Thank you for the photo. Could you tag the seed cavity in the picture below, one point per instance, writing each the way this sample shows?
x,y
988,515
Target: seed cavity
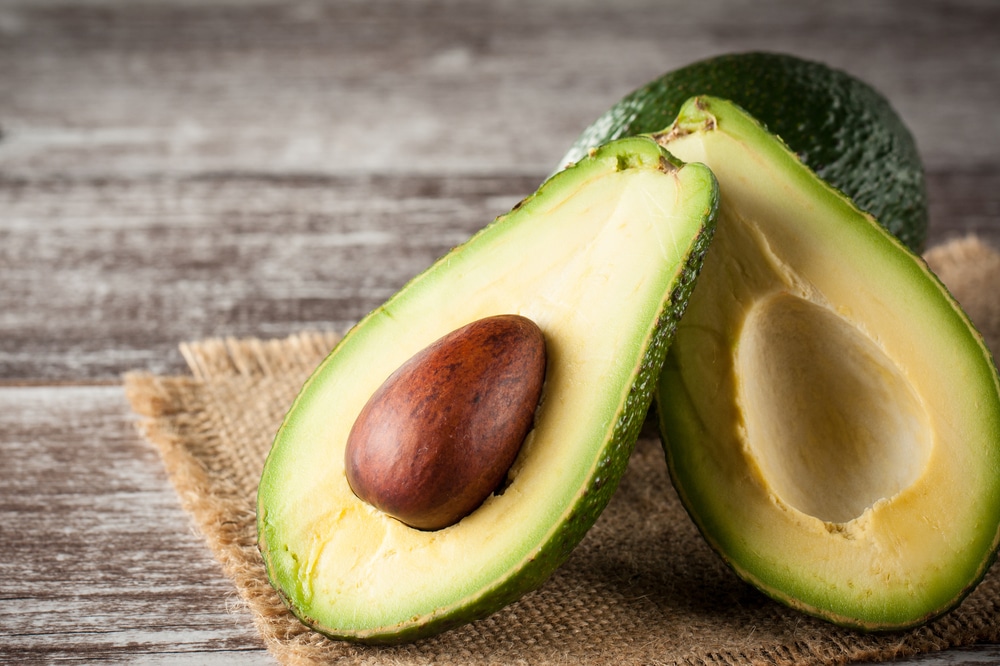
x,y
831,421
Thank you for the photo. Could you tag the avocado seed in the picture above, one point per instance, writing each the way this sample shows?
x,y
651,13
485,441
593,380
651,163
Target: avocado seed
x,y
439,436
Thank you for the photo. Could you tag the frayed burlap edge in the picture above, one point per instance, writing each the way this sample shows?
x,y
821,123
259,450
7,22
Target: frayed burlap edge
x,y
181,421
186,419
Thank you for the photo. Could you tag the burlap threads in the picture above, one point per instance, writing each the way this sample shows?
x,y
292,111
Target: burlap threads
x,y
642,588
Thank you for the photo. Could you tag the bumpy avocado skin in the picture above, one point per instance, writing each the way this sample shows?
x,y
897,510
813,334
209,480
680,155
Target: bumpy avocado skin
x,y
839,126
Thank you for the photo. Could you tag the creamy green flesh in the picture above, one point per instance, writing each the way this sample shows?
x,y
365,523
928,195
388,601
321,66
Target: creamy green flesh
x,y
593,259
831,419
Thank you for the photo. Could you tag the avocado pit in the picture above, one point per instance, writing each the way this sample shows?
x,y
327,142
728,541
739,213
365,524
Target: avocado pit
x,y
440,434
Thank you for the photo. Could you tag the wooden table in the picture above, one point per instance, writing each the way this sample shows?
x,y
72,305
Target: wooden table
x,y
177,170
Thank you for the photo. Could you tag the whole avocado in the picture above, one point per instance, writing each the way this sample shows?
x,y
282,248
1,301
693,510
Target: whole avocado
x,y
839,126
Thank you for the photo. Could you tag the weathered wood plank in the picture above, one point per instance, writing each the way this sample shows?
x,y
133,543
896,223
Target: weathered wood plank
x,y
106,265
443,86
97,559
102,276
979,655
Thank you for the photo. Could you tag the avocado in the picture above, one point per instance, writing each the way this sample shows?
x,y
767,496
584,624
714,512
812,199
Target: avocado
x,y
841,127
602,259
831,418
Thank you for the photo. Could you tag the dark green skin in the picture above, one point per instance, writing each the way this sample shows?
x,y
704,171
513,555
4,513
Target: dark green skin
x,y
839,126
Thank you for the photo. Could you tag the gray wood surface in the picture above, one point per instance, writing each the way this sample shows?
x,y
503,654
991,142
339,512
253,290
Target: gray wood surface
x,y
176,170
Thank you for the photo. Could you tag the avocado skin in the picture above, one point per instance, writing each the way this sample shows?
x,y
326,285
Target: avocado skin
x,y
839,126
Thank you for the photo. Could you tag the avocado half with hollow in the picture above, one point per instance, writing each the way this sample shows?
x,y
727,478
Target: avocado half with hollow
x,y
838,125
602,259
831,418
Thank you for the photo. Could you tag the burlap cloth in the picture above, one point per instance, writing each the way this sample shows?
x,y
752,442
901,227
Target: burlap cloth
x,y
641,588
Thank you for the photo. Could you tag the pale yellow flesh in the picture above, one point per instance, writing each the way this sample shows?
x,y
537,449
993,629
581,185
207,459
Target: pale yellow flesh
x,y
595,302
842,424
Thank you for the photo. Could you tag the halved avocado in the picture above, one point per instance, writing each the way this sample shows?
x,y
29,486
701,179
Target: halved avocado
x,y
831,418
838,125
602,258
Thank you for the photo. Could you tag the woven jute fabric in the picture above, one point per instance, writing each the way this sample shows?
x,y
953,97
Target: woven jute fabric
x,y
642,587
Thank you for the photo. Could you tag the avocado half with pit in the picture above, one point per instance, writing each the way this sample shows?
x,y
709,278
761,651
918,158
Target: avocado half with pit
x,y
830,417
602,259
838,125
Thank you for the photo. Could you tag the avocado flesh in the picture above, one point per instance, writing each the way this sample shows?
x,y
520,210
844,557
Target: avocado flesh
x,y
839,126
830,417
602,258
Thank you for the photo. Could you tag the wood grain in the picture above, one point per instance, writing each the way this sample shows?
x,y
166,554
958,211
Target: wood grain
x,y
101,276
439,86
98,559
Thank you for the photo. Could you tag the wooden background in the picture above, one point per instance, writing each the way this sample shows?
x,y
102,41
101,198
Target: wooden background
x,y
176,170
